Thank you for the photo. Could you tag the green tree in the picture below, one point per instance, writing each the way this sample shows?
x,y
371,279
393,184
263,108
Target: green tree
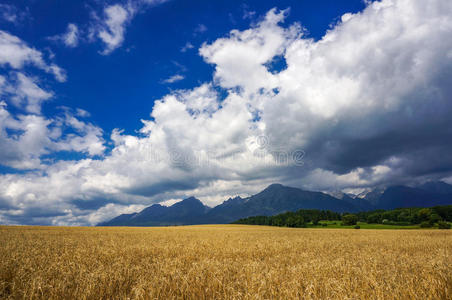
x,y
434,218
277,221
374,218
424,214
443,225
315,219
291,222
349,219
426,224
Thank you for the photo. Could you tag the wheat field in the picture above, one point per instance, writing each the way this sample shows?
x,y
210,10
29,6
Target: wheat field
x,y
224,262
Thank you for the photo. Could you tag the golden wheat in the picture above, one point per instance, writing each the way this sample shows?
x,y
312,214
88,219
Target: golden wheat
x,y
224,262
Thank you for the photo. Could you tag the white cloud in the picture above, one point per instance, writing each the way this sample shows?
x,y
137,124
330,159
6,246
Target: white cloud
x,y
87,139
108,26
82,113
239,58
70,38
113,28
10,13
15,53
174,78
26,138
28,95
368,103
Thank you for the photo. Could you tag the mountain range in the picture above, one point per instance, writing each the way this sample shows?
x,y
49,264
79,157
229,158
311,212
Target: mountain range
x,y
276,199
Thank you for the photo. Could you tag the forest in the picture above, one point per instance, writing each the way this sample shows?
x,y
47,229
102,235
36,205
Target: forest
x,y
438,216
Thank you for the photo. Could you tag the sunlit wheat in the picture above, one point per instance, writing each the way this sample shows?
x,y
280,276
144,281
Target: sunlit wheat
x,y
224,262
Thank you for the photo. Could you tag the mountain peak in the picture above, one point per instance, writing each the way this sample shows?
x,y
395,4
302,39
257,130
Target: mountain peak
x,y
371,193
338,194
279,188
277,198
274,186
439,187
234,200
190,201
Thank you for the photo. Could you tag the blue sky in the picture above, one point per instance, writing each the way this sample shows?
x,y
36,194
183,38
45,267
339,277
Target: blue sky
x,y
119,89
109,106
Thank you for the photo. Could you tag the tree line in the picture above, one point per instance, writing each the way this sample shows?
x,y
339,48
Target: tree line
x,y
425,217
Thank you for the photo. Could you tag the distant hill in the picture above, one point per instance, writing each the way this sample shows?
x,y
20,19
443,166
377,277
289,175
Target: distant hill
x,y
402,196
427,195
277,199
437,187
188,211
273,200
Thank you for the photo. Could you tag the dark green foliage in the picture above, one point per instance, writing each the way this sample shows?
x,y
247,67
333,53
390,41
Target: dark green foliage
x,y
407,216
445,212
349,219
426,224
294,220
316,218
434,218
427,217
357,227
443,225
424,214
373,218
298,219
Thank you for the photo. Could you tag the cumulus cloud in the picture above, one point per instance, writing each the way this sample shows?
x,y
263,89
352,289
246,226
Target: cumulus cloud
x,y
240,58
26,94
369,93
25,139
367,104
26,136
